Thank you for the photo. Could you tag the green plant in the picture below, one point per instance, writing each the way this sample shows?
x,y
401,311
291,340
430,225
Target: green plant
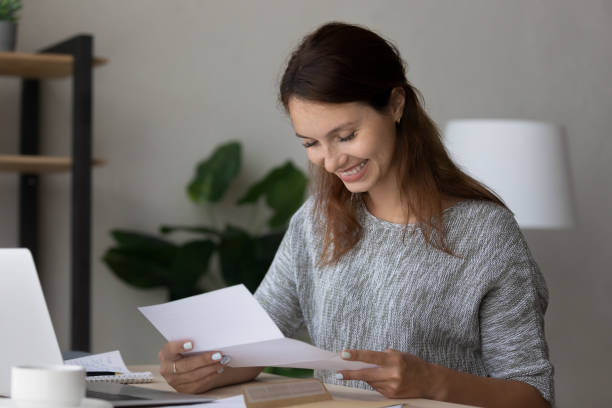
x,y
148,261
290,372
9,9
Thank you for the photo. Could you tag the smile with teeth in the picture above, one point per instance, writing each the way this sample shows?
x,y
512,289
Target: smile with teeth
x,y
354,170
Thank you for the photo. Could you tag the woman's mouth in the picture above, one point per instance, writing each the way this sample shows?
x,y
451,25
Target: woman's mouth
x,y
354,173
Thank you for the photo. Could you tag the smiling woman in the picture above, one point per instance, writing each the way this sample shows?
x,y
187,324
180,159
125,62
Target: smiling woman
x,y
346,92
399,258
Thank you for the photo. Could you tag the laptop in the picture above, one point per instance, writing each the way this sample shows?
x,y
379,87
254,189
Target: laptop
x,y
27,336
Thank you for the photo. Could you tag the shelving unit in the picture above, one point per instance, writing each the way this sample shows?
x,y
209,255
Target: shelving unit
x,y
70,58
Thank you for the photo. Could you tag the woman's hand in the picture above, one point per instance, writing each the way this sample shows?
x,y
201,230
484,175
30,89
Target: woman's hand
x,y
192,374
399,375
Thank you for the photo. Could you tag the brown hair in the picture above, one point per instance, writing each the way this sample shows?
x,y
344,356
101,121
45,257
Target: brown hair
x,y
339,63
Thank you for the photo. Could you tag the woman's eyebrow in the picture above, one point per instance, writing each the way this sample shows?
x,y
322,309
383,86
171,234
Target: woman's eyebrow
x,y
334,130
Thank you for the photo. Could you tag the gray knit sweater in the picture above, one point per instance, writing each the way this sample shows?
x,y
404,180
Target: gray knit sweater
x,y
482,313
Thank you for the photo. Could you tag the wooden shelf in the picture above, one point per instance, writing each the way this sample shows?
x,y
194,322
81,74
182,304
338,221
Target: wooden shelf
x,y
39,65
38,164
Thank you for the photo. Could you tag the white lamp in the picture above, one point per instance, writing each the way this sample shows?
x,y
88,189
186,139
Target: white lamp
x,y
523,162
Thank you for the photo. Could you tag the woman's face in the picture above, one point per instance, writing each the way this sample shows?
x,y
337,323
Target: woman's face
x,y
351,140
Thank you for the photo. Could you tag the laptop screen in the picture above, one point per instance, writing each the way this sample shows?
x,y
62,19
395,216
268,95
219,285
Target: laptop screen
x,y
28,337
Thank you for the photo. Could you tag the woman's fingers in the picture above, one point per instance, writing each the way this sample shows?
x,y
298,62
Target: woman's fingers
x,y
179,370
398,374
198,375
190,373
365,374
173,349
201,384
379,358
194,362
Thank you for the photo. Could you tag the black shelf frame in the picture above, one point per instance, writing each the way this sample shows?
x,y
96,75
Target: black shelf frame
x,y
81,49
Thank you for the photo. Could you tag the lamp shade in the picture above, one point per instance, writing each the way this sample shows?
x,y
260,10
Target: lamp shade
x,y
523,162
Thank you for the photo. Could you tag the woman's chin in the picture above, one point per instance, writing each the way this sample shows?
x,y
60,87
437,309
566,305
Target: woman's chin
x,y
356,188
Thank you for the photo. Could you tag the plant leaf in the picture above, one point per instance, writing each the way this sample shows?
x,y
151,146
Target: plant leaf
x,y
235,255
145,246
290,372
9,9
246,259
284,188
214,175
256,190
135,269
167,229
190,264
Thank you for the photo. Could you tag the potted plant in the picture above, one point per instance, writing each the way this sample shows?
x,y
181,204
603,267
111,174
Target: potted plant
x,y
148,261
8,23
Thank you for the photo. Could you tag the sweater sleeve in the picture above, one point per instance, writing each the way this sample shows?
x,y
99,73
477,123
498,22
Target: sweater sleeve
x,y
512,320
277,293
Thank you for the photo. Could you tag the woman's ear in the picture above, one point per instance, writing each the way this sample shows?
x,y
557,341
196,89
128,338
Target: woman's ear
x,y
396,103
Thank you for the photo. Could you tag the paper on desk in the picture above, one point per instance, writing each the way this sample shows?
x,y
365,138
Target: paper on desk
x,y
110,361
236,401
231,320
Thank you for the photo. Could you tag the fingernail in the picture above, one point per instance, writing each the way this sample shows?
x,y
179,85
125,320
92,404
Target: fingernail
x,y
216,356
346,355
339,376
188,346
220,370
225,360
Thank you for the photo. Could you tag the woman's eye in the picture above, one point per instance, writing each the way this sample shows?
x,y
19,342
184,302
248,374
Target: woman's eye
x,y
349,137
309,144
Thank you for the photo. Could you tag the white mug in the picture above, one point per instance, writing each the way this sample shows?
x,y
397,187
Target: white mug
x,y
48,386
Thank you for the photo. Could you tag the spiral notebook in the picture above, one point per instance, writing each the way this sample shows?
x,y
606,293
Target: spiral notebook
x,y
112,362
123,378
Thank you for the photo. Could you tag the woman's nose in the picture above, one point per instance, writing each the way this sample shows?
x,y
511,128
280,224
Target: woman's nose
x,y
334,161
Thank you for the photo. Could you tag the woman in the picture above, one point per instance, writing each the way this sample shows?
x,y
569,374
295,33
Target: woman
x,y
399,259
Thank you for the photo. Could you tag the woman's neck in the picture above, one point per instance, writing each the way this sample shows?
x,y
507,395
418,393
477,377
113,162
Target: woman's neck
x,y
388,207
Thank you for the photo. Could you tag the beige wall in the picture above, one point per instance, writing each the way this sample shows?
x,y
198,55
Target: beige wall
x,y
186,75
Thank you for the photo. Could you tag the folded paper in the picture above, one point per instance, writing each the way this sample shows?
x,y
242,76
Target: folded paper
x,y
231,320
